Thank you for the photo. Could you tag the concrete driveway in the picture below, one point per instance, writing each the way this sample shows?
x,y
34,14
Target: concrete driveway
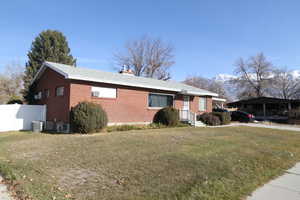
x,y
284,187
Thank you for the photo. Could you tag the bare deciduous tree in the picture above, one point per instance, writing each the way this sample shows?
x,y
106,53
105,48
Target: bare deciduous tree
x,y
254,75
284,85
207,84
147,57
11,82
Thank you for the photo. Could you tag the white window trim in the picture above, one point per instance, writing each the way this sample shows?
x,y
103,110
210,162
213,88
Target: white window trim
x,y
166,94
38,95
56,89
205,107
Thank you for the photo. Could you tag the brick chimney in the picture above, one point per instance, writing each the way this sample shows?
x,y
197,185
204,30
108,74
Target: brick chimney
x,y
126,71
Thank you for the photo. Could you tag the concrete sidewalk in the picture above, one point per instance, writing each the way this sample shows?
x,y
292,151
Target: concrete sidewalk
x,y
279,127
4,195
284,187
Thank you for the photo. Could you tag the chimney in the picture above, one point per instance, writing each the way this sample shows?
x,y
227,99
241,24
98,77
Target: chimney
x,y
126,71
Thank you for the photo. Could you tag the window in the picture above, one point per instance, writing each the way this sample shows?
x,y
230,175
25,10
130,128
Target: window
x,y
160,100
104,92
202,104
47,93
60,91
38,96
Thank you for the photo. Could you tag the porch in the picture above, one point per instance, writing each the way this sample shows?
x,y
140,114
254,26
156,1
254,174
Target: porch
x,y
266,108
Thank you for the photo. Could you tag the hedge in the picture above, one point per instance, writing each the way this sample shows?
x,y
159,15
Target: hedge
x,y
209,119
87,117
225,117
167,116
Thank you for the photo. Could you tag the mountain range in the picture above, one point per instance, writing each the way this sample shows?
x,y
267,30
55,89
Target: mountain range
x,y
231,91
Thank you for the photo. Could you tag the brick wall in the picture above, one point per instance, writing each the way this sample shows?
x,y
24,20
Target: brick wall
x,y
57,107
131,104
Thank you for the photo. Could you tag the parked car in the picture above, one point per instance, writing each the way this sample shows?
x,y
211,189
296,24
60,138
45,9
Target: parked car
x,y
219,110
242,116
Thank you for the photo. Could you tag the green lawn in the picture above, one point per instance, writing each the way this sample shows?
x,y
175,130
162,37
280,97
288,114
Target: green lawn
x,y
180,163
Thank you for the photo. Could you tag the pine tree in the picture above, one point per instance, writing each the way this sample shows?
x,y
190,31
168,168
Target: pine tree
x,y
49,45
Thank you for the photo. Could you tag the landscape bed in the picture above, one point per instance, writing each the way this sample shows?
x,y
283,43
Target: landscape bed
x,y
172,163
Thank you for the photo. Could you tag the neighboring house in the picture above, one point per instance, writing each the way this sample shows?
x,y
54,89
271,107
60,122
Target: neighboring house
x,y
126,98
266,107
218,102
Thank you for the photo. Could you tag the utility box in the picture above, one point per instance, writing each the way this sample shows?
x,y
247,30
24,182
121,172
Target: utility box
x,y
37,126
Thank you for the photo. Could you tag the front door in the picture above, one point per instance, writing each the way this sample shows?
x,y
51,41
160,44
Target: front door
x,y
186,103
186,107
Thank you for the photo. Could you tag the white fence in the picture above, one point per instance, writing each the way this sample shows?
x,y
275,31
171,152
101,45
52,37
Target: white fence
x,y
19,117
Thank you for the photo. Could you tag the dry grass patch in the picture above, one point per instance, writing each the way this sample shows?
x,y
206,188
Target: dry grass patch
x,y
179,163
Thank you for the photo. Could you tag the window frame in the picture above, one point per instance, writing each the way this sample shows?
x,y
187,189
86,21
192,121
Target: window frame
x,y
205,104
38,95
112,98
163,94
63,93
46,93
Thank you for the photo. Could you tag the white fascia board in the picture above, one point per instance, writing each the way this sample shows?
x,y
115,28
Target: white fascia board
x,y
38,74
43,68
57,70
219,99
203,94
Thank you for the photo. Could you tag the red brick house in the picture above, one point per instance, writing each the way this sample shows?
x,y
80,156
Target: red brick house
x,y
125,97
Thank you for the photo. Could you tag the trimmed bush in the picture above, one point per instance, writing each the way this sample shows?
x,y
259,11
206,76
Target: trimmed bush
x,y
224,117
87,117
209,119
167,116
294,116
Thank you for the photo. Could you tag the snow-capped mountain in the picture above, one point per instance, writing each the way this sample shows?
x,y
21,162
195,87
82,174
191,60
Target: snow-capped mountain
x,y
295,74
230,89
227,77
224,77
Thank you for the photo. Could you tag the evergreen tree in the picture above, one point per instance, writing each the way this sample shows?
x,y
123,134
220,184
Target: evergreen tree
x,y
49,45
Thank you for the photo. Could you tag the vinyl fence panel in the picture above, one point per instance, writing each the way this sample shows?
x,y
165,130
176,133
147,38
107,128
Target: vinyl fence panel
x,y
19,117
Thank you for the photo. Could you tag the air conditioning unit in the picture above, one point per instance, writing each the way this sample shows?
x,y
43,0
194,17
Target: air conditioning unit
x,y
62,127
36,97
95,94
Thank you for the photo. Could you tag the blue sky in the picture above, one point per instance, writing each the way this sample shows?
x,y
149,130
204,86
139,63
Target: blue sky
x,y
208,36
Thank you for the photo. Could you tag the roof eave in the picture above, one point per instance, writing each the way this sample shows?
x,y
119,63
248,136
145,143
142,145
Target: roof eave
x,y
43,68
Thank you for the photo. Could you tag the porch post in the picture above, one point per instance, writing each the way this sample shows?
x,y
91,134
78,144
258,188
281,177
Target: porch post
x,y
264,109
289,106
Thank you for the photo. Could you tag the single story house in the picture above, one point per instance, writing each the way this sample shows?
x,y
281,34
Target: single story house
x,y
127,99
266,107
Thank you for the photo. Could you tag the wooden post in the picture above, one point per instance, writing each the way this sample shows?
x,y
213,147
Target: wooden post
x,y
264,109
289,106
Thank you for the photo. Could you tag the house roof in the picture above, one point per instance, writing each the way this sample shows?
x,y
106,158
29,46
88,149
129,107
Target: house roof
x,y
262,100
78,73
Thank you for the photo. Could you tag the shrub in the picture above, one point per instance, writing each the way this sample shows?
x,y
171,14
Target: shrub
x,y
15,100
294,116
125,127
209,119
87,117
224,117
167,116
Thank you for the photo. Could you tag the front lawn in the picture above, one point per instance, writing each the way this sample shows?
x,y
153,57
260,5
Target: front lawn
x,y
180,163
